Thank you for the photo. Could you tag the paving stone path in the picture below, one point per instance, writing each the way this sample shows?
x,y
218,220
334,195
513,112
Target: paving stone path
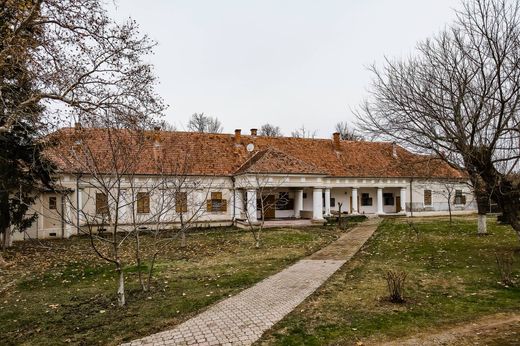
x,y
243,318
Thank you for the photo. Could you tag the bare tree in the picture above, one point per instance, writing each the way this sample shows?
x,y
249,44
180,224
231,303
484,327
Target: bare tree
x,y
61,61
105,162
302,132
458,98
269,130
199,122
180,201
79,60
347,133
265,199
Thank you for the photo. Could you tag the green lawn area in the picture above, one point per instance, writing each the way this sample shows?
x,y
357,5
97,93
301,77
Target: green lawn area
x,y
64,294
452,278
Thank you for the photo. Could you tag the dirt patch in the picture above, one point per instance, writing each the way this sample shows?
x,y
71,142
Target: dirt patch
x,y
499,329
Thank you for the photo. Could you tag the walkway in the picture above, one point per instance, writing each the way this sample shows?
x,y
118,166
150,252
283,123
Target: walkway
x,y
242,319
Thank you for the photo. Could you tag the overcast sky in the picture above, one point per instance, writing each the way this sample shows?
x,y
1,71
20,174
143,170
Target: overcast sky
x,y
285,62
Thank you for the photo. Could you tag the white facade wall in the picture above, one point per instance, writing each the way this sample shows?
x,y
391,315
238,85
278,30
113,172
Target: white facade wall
x,y
51,225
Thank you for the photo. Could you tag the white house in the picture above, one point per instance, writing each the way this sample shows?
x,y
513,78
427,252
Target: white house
x,y
222,178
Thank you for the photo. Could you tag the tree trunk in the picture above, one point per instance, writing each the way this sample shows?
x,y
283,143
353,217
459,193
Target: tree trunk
x,y
121,287
150,271
482,225
138,260
183,238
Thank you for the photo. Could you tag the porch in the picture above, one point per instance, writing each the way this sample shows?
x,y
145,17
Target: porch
x,y
286,206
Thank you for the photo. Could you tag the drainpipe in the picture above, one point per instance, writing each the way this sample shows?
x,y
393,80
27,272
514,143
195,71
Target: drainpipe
x,y
234,200
77,204
411,198
62,216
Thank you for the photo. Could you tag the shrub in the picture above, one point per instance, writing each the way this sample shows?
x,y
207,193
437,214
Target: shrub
x,y
395,281
504,262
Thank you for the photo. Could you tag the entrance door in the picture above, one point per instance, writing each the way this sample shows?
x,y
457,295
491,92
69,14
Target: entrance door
x,y
398,204
269,207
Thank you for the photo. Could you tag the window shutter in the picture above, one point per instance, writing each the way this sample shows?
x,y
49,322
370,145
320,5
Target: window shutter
x,y
223,205
464,199
209,205
427,197
216,195
101,203
143,202
181,202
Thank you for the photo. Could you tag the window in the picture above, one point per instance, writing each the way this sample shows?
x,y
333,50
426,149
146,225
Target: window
x,y
333,202
388,198
427,197
304,195
459,198
52,203
284,202
101,204
143,202
366,200
181,202
216,203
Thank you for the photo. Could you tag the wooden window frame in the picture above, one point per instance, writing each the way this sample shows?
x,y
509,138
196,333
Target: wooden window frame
x,y
101,203
143,203
216,204
53,203
181,202
427,196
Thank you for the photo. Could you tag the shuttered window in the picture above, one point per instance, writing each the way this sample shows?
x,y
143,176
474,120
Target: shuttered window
x,y
427,197
101,204
217,203
143,202
181,202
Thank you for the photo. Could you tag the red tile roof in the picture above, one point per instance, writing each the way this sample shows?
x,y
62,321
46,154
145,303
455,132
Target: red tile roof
x,y
220,155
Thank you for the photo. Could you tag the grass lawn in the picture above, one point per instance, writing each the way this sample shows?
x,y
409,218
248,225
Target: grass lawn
x,y
64,294
452,278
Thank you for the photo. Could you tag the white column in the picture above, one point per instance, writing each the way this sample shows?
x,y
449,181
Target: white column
x,y
317,204
239,203
298,203
403,199
251,205
79,210
355,209
68,218
327,202
380,200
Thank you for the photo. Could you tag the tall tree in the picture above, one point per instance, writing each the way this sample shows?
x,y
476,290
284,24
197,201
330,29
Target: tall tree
x,y
269,130
199,122
458,97
63,60
23,169
346,132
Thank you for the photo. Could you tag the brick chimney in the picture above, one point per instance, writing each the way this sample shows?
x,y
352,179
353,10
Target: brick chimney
x,y
336,139
253,132
238,136
394,150
77,125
